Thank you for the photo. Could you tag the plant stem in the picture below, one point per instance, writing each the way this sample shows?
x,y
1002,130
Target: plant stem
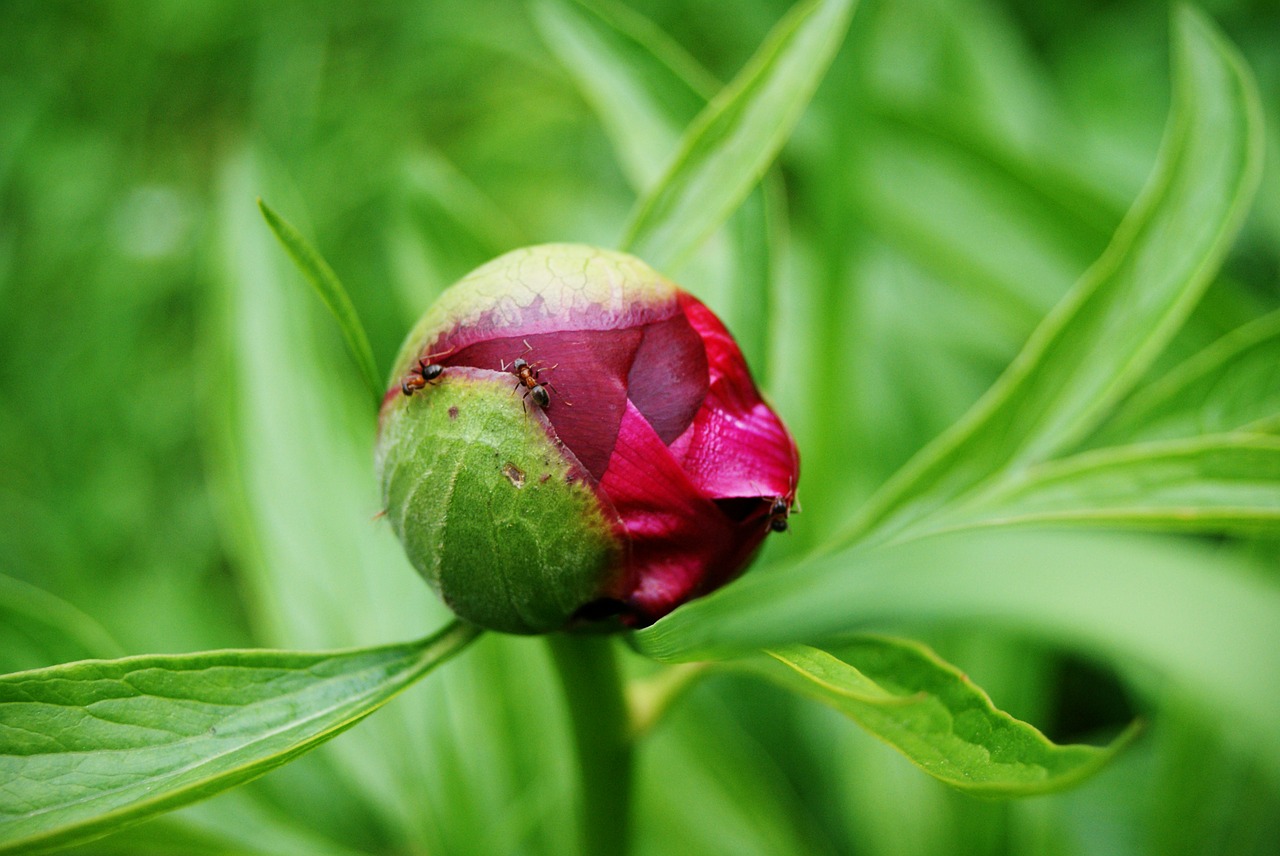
x,y
601,731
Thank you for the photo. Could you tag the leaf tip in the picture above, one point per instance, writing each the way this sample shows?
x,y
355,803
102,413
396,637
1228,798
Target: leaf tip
x,y
268,213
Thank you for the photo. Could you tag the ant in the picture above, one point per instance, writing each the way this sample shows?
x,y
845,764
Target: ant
x,y
779,510
527,376
425,373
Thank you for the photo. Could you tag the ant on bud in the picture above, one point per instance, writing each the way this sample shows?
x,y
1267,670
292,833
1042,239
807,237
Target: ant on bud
x,y
527,376
780,508
425,373
778,513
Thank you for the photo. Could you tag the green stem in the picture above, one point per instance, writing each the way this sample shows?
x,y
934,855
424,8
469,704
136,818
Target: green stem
x,y
601,732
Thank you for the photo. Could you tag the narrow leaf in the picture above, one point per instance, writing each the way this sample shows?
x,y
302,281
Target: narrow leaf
x,y
1232,385
292,465
642,85
89,747
938,192
431,180
1201,619
1095,345
38,629
731,143
440,226
1225,483
334,296
903,693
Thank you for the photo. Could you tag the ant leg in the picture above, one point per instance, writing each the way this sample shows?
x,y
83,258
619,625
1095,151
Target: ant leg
x,y
551,386
426,358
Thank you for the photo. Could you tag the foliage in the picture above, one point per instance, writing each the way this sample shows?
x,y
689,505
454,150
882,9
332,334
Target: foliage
x,y
185,448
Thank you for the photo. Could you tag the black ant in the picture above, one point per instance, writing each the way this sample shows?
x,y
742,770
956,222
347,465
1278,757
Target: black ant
x,y
425,373
527,376
780,508
778,513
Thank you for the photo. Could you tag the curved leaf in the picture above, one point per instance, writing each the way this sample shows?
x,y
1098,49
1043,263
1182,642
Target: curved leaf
x,y
733,141
642,85
1195,615
38,628
1094,345
1228,483
928,710
1232,385
334,296
442,226
292,466
89,747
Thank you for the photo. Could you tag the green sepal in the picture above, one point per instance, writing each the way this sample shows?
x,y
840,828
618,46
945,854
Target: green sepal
x,y
491,509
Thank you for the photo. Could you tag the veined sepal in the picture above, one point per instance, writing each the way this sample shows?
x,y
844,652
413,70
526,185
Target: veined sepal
x,y
493,511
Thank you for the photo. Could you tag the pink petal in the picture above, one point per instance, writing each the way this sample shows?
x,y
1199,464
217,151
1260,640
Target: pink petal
x,y
729,454
737,446
682,544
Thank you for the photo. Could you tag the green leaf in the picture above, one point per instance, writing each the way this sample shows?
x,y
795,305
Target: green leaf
x,y
640,83
238,822
709,783
1095,345
731,143
442,227
1202,620
38,629
292,465
89,747
937,192
1233,385
334,296
1226,483
903,693
758,231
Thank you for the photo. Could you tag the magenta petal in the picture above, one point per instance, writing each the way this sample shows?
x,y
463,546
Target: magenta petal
x,y
732,454
725,363
668,380
737,446
682,544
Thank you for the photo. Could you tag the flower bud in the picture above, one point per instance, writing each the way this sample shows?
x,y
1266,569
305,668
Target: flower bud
x,y
570,440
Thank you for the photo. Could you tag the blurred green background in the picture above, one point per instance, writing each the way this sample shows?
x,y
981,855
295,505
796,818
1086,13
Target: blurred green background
x,y
184,446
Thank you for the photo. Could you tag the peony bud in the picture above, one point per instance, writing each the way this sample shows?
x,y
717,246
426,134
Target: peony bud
x,y
570,438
